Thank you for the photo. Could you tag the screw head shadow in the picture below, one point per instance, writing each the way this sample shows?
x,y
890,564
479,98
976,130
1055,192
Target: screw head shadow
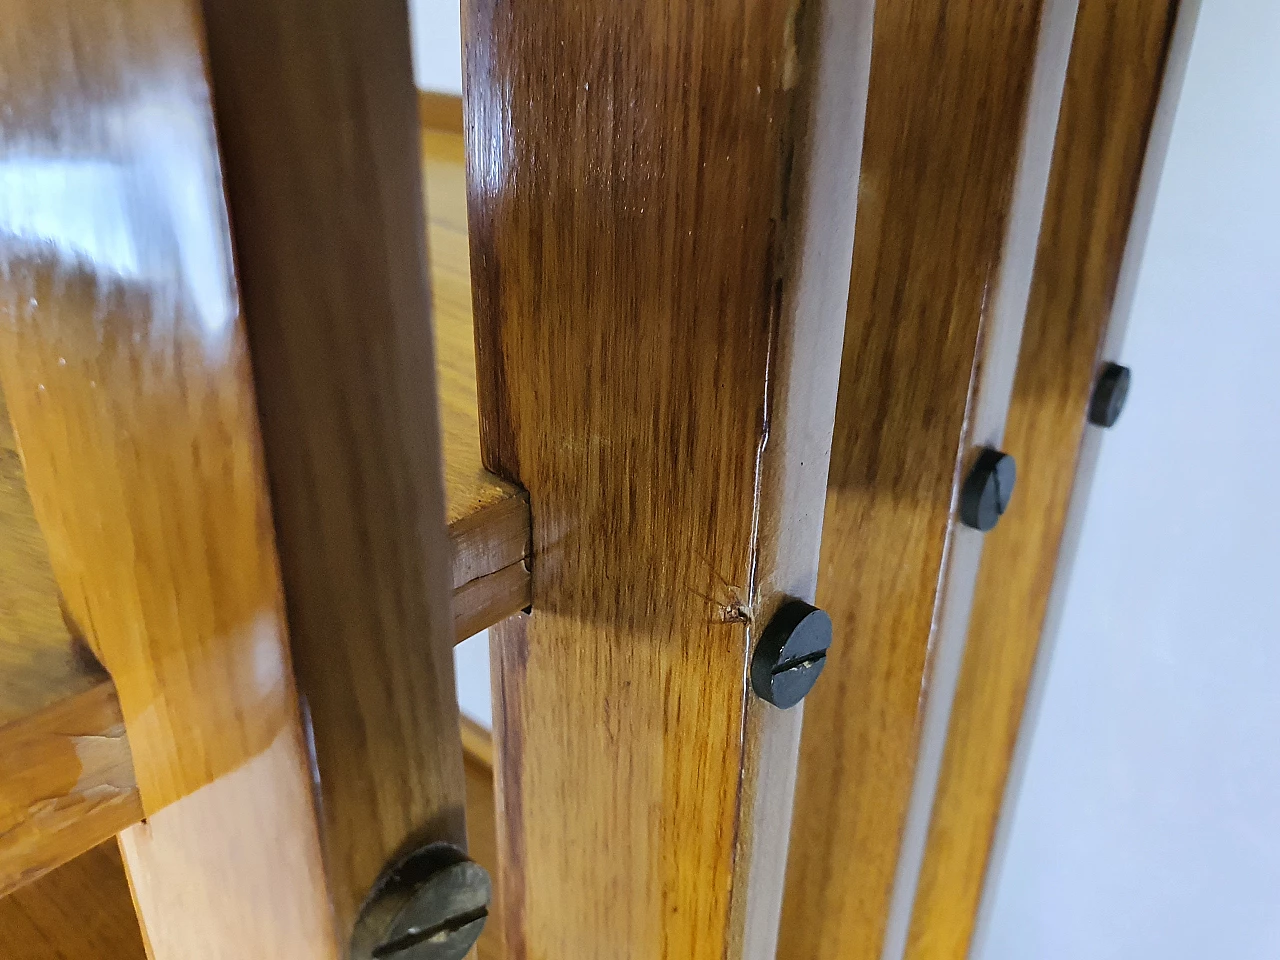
x,y
1109,395
431,905
790,654
986,493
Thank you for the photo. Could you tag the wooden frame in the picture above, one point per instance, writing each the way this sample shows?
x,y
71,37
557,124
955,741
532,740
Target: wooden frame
x,y
1119,167
962,105
127,374
240,486
659,294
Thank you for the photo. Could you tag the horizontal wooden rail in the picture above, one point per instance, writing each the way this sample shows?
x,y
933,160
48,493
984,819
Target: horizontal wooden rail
x,y
66,775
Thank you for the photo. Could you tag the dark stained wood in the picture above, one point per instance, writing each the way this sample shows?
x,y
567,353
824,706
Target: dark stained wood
x,y
962,105
318,123
1113,84
661,211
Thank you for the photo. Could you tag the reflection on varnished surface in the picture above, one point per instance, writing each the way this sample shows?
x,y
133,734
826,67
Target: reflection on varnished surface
x,y
126,374
44,818
127,382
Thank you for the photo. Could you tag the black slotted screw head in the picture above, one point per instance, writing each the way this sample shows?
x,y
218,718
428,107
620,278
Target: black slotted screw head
x,y
791,654
431,905
986,493
1109,395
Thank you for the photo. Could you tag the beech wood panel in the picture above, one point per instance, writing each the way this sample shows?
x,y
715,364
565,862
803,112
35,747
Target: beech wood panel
x,y
1113,84
962,105
661,212
81,911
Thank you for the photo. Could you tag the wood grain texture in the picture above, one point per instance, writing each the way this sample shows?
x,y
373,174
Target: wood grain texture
x,y
127,382
46,817
488,518
962,105
81,911
126,374
1113,84
660,230
477,757
66,777
331,246
40,662
66,784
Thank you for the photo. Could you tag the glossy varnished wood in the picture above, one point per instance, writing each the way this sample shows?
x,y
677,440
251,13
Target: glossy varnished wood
x,y
66,777
61,793
40,662
1113,83
126,373
318,127
127,382
661,213
81,911
962,105
488,517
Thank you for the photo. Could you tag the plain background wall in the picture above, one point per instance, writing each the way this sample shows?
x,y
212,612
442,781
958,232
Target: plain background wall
x,y
435,31
1148,823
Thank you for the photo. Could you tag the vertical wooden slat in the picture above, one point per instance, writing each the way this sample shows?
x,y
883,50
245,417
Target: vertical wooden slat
x,y
318,123
661,211
126,365
962,107
1114,82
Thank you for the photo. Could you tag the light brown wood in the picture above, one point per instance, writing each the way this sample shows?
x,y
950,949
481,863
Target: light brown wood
x,y
963,101
66,777
126,374
661,228
66,784
440,111
1113,84
126,369
477,757
40,662
81,911
46,820
488,518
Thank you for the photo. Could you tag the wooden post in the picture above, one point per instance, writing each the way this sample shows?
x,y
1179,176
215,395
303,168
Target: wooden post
x,y
282,663
1106,164
962,107
661,212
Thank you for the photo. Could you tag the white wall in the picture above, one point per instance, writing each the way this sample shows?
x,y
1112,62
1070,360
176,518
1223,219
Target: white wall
x,y
1148,823
437,44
